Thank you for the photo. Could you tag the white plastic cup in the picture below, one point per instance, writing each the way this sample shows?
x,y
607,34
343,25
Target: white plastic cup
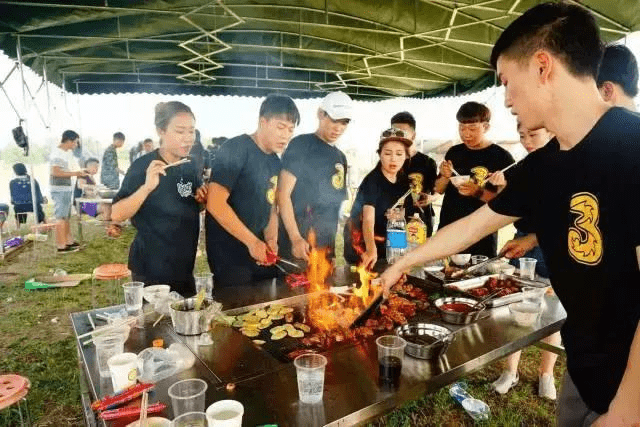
x,y
124,370
532,295
133,292
204,280
107,346
187,396
310,372
191,419
477,259
225,413
528,268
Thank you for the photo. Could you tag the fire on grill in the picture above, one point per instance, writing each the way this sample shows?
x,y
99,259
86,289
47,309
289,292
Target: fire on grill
x,y
330,315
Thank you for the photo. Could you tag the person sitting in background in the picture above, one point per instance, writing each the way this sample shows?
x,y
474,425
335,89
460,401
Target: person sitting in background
x,y
377,193
20,189
618,77
86,183
110,174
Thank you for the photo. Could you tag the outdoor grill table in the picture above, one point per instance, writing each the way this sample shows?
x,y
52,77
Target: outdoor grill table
x,y
267,386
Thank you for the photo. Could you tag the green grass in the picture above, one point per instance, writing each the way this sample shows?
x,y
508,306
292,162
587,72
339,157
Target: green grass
x,y
37,342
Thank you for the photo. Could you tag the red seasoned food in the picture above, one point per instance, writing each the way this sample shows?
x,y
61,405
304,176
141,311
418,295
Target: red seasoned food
x,y
457,307
507,286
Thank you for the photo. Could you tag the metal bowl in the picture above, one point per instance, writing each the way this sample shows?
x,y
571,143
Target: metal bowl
x,y
455,317
186,320
107,194
415,333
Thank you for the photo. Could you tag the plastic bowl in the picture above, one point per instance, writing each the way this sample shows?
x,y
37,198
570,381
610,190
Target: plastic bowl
x,y
458,180
461,259
501,267
155,292
524,314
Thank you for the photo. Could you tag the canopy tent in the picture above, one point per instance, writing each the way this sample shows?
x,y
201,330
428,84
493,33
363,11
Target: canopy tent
x,y
370,49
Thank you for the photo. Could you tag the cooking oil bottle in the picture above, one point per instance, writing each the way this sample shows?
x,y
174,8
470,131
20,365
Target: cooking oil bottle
x,y
416,232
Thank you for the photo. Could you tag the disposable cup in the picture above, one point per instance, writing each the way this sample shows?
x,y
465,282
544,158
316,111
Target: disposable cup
x,y
225,413
191,419
532,295
204,280
107,345
187,396
133,292
310,372
390,358
528,268
477,259
124,370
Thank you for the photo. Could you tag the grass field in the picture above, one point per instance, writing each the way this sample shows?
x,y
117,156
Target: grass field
x,y
37,342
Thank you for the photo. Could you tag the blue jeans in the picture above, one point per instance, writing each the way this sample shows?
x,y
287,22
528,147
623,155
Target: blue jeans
x,y
541,266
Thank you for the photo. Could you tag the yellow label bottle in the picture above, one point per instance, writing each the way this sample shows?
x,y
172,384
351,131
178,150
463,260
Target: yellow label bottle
x,y
416,231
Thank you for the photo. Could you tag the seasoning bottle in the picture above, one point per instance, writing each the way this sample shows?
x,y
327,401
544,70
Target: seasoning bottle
x,y
416,232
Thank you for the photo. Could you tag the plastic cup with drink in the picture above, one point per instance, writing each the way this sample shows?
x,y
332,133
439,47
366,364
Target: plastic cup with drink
x,y
310,372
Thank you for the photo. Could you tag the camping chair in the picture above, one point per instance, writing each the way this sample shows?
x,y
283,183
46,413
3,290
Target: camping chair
x,y
21,200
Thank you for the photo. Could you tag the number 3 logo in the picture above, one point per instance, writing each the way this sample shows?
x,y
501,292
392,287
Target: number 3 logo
x,y
585,238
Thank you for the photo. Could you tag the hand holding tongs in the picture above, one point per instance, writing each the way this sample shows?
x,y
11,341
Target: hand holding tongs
x,y
273,259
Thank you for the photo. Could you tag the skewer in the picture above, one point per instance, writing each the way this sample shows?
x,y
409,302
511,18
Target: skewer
x,y
93,325
179,162
401,199
508,167
454,171
280,268
143,408
292,264
158,320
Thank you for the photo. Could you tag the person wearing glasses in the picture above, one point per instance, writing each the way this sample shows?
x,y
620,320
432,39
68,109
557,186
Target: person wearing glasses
x,y
312,183
366,229
476,157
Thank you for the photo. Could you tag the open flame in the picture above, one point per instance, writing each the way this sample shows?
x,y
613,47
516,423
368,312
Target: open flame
x,y
329,311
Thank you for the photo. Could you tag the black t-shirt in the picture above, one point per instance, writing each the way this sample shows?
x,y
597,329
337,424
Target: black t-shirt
x,y
422,172
320,170
523,225
164,249
478,164
377,191
251,176
584,205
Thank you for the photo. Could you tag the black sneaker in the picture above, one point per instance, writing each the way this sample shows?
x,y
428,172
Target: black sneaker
x,y
68,249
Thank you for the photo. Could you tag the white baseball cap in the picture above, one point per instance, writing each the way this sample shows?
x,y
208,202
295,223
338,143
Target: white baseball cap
x,y
337,105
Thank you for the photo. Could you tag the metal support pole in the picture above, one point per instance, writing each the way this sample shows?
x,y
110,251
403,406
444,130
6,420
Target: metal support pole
x,y
34,201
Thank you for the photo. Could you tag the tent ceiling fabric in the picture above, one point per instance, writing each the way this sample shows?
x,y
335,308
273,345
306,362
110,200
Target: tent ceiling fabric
x,y
370,49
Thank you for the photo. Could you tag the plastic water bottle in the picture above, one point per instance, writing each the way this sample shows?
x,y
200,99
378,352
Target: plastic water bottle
x,y
416,232
477,409
396,236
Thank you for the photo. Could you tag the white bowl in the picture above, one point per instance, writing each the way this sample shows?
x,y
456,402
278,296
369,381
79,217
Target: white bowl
x,y
461,259
524,314
458,180
501,267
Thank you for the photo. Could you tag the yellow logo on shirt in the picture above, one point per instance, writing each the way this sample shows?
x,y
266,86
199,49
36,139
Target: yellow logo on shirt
x,y
479,175
273,187
415,182
585,238
337,180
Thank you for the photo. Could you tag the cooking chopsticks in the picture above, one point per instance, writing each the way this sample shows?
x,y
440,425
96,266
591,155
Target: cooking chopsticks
x,y
401,199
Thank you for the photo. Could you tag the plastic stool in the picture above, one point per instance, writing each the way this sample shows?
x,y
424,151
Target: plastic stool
x,y
13,391
114,283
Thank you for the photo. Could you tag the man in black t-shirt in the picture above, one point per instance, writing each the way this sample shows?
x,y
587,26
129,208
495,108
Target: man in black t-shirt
x,y
477,157
242,225
580,192
618,77
421,171
312,182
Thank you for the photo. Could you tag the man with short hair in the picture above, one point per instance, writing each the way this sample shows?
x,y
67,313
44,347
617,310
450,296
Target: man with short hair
x,y
312,186
110,174
421,170
242,221
476,157
618,76
580,192
147,146
62,189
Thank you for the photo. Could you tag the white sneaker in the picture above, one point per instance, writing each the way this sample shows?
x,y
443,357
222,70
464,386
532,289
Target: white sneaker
x,y
505,382
547,387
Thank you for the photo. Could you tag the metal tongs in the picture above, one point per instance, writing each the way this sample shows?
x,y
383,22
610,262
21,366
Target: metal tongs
x,y
474,267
